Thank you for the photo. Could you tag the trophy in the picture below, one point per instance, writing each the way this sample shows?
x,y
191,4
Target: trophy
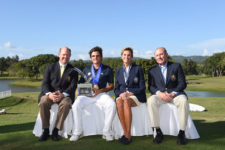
x,y
84,88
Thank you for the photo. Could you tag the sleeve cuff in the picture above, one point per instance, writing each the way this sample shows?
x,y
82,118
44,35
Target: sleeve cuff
x,y
175,93
65,94
48,93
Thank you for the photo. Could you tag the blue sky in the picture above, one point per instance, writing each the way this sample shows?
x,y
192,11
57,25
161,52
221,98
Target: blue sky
x,y
32,27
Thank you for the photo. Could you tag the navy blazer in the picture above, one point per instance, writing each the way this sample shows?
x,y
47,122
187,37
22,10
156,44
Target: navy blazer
x,y
136,82
175,79
53,82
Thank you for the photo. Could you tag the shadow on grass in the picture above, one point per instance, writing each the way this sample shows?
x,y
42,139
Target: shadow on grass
x,y
11,101
16,127
210,131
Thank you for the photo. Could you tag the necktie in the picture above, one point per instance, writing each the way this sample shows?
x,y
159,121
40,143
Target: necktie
x,y
62,70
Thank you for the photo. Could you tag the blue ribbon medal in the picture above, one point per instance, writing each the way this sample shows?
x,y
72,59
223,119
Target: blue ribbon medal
x,y
97,76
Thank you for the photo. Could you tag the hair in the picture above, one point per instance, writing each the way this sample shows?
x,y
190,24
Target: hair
x,y
96,49
127,49
66,48
164,49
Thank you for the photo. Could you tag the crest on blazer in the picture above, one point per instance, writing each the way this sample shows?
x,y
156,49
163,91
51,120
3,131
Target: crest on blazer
x,y
136,80
173,78
68,79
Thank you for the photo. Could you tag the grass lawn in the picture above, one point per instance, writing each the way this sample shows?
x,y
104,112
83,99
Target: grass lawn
x,y
202,83
16,129
27,83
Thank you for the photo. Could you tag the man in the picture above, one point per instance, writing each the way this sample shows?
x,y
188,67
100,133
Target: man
x,y
59,85
166,84
102,79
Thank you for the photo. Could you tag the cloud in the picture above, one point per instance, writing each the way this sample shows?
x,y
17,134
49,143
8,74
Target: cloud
x,y
210,44
83,56
209,47
8,45
205,52
144,54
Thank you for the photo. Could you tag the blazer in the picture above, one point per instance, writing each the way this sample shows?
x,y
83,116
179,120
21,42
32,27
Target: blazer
x,y
53,82
135,82
175,79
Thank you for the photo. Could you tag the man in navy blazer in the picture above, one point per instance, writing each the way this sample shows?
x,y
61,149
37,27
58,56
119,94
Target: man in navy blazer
x,y
58,86
166,83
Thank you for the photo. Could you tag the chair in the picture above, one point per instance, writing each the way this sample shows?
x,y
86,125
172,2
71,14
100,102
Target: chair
x,y
67,126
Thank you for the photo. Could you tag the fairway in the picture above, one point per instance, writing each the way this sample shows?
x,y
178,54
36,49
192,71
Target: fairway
x,y
16,129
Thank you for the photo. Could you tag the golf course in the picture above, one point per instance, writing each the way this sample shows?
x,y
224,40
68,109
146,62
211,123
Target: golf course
x,y
17,124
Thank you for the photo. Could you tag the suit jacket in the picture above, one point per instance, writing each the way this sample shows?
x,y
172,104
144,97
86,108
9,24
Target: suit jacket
x,y
175,79
53,82
135,82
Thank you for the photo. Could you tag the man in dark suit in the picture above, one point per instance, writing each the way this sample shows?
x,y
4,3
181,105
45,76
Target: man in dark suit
x,y
166,84
58,86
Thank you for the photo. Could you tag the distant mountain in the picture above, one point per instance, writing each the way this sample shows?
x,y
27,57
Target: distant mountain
x,y
197,59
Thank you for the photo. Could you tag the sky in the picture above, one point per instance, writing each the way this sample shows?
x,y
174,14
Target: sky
x,y
184,27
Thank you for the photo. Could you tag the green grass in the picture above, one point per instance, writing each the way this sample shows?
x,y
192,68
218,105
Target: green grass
x,y
16,129
202,83
27,83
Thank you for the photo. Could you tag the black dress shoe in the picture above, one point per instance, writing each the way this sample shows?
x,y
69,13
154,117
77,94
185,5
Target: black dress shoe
x,y
126,141
55,136
44,136
181,140
122,139
159,137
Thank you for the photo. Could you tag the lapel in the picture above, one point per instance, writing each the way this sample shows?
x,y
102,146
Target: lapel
x,y
159,74
131,73
121,76
168,72
58,71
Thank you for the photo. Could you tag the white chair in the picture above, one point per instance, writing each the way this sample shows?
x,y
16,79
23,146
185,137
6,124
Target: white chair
x,y
93,122
67,126
170,125
168,122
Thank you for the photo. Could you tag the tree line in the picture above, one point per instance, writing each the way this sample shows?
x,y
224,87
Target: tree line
x,y
34,67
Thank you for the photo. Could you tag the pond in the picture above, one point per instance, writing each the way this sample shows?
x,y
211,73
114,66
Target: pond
x,y
5,85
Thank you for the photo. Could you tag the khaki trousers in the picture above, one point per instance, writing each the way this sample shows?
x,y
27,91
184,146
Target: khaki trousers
x,y
154,102
45,106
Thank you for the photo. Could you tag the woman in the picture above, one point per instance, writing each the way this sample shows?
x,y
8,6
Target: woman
x,y
129,91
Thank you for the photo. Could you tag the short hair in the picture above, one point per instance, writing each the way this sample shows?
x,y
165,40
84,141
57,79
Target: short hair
x,y
127,49
96,49
66,48
164,49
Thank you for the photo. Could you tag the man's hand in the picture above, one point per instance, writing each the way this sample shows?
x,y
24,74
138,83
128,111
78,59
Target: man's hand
x,y
56,96
165,96
96,92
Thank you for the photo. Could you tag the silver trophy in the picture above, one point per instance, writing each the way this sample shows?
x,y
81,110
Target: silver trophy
x,y
84,88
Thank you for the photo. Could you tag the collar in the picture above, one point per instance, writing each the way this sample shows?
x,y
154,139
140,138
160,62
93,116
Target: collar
x,y
164,66
61,65
128,67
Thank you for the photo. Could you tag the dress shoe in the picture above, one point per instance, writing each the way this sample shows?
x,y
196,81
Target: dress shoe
x,y
55,136
181,140
159,136
126,141
122,139
44,136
